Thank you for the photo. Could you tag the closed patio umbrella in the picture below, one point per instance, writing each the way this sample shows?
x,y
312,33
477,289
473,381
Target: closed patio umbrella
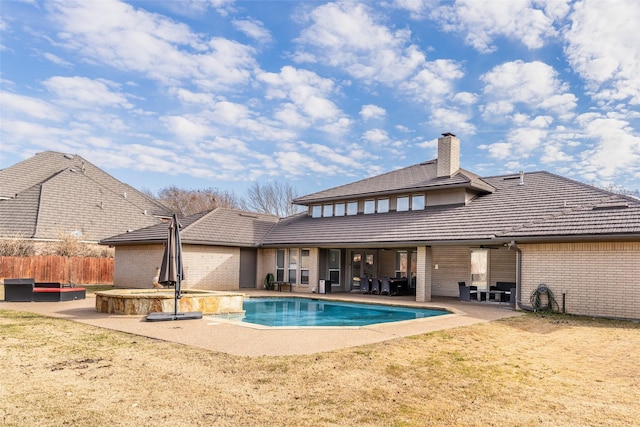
x,y
172,273
171,269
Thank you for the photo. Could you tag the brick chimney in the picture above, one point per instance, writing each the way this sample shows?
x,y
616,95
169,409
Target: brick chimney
x,y
448,155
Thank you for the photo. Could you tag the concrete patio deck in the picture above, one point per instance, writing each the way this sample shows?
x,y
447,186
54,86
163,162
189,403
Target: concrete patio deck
x,y
242,339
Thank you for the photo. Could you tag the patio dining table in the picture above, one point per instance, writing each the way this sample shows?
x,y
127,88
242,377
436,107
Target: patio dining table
x,y
485,295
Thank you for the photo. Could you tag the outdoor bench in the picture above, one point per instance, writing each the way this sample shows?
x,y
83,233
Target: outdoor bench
x,y
16,290
507,287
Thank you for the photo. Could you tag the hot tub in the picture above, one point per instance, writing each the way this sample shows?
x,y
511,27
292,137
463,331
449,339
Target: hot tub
x,y
145,301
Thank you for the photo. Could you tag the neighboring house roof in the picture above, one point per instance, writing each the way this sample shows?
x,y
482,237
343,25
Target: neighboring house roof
x,y
218,227
414,178
52,193
546,206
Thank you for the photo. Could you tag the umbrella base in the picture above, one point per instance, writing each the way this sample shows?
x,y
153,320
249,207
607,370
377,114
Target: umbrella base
x,y
159,317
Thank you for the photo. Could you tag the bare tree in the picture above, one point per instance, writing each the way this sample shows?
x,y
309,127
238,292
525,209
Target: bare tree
x,y
272,198
188,202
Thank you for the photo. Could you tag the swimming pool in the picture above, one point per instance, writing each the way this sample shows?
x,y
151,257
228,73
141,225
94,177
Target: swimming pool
x,y
315,312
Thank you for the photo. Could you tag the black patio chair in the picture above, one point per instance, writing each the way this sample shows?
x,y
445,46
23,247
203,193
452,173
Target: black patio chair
x,y
385,286
364,285
467,293
375,286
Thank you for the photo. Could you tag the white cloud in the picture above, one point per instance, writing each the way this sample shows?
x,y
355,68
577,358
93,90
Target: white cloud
x,y
350,37
186,128
451,120
615,150
434,82
188,97
370,111
253,28
465,98
331,156
602,46
129,39
523,140
294,163
530,85
553,154
376,136
417,8
499,150
290,116
82,92
482,21
307,91
55,59
14,104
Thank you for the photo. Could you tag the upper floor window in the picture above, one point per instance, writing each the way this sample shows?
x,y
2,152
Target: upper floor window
x,y
417,202
369,206
402,203
339,209
383,205
316,211
327,210
352,208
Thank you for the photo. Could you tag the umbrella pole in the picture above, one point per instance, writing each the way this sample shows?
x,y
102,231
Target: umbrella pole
x,y
175,300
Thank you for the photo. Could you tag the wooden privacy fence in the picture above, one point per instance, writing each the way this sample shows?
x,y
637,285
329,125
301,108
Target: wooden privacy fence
x,y
77,270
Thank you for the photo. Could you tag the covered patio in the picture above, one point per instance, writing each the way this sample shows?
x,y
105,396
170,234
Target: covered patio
x,y
421,272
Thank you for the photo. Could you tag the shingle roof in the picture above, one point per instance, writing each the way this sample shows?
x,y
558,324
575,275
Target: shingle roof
x,y
52,193
546,205
418,177
220,226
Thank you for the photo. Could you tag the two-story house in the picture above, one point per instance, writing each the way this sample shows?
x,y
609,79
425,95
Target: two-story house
x,y
429,226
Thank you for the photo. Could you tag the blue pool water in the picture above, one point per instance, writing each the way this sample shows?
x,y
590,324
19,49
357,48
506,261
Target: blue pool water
x,y
313,312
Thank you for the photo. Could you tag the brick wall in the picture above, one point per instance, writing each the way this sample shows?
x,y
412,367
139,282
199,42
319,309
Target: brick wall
x,y
600,279
206,267
211,267
136,265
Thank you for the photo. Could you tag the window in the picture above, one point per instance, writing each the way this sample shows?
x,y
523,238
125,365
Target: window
x,y
417,202
293,266
334,267
369,206
352,208
401,264
316,211
383,205
327,210
280,265
304,266
402,203
480,268
339,209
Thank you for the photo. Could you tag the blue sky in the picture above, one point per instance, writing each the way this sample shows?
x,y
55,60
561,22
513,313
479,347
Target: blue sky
x,y
220,94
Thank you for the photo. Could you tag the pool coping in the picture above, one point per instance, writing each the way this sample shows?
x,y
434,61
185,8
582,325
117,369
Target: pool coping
x,y
230,338
232,317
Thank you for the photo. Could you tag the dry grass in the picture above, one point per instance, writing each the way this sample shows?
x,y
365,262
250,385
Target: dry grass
x,y
525,371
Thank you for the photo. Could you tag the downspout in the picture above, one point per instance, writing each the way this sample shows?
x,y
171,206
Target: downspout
x,y
514,245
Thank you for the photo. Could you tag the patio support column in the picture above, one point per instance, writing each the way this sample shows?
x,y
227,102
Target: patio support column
x,y
423,274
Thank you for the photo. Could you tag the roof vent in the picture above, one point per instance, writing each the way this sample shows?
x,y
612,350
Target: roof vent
x,y
69,156
615,205
521,178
